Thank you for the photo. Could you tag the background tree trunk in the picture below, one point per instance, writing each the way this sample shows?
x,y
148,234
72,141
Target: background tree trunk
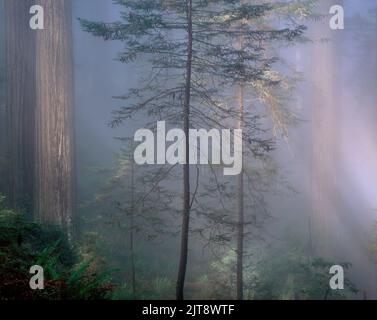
x,y
326,132
54,155
241,218
3,171
132,226
20,102
186,168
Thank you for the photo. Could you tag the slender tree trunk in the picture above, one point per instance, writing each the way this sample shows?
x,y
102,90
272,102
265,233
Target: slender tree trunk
x,y
3,124
186,169
240,192
240,222
54,146
20,102
132,249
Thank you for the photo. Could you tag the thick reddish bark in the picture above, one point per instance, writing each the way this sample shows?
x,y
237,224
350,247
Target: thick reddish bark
x,y
54,146
20,102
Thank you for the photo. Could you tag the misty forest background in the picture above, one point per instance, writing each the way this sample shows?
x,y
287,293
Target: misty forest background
x,y
73,201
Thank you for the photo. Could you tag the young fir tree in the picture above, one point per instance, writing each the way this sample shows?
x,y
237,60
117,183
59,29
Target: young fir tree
x,y
133,202
190,46
267,97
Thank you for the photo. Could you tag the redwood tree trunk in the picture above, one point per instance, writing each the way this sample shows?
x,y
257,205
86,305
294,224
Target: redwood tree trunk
x,y
20,102
54,146
326,118
186,169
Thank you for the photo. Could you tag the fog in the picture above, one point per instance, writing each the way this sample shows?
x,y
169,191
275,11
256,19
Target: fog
x,y
316,192
99,77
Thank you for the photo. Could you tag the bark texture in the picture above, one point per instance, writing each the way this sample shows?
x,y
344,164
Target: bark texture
x,y
54,147
20,103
